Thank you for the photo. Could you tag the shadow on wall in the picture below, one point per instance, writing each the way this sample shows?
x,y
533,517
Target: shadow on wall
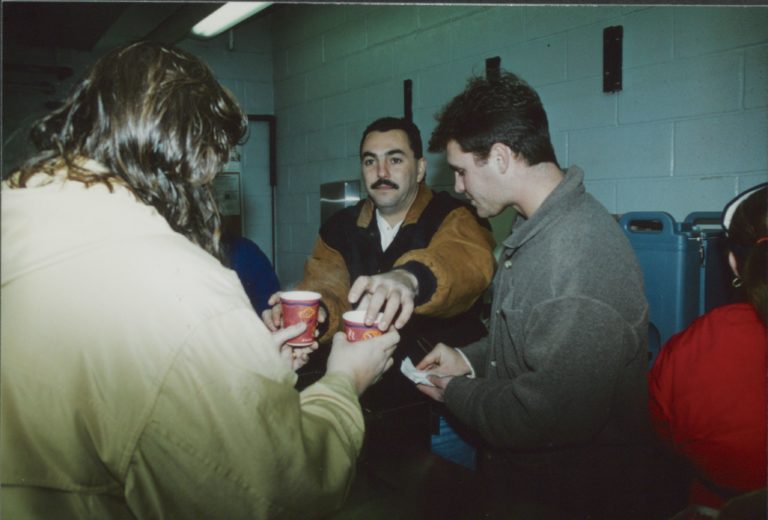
x,y
441,178
438,172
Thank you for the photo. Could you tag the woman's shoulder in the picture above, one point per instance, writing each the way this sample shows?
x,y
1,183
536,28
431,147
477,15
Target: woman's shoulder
x,y
733,314
722,328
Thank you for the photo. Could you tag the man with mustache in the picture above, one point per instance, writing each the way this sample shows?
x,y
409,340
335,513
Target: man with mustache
x,y
420,258
136,379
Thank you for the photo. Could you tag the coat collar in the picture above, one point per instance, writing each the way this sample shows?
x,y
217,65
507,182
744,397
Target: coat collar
x,y
564,195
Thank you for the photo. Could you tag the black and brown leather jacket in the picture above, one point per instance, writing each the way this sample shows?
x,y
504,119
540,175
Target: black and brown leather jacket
x,y
441,241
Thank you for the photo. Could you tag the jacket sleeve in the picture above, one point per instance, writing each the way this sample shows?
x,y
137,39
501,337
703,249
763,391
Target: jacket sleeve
x,y
460,256
326,272
229,436
565,396
477,355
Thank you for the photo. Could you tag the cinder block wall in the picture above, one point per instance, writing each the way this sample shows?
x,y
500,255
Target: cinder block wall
x,y
242,62
687,132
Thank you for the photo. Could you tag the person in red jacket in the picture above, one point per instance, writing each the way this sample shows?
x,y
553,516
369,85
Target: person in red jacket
x,y
707,389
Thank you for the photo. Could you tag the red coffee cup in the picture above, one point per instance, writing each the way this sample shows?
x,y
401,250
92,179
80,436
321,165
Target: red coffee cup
x,y
301,306
356,329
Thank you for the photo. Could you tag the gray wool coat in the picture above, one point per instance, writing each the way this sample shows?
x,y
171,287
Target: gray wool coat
x,y
559,397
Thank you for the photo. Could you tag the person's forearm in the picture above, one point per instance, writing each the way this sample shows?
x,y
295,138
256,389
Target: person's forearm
x,y
460,258
546,405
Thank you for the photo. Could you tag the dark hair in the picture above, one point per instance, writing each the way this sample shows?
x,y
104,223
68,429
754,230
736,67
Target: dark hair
x,y
158,120
749,225
496,110
385,124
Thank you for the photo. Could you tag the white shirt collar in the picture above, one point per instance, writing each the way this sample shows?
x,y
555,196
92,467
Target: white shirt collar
x,y
386,231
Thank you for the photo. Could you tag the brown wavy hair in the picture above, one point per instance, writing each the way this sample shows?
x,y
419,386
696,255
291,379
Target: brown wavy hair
x,y
158,120
747,234
504,110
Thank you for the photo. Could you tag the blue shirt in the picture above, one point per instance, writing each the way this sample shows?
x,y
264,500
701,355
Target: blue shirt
x,y
253,268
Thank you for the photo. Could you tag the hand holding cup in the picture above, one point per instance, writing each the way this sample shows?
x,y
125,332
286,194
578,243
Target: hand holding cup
x,y
294,357
356,329
273,316
365,361
300,306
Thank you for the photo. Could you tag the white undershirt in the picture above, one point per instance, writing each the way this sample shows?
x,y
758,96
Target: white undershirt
x,y
386,231
387,234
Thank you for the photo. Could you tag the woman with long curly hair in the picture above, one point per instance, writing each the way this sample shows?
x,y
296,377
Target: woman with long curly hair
x,y
137,379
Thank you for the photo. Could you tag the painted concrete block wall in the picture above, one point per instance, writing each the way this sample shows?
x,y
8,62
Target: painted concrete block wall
x,y
687,132
242,61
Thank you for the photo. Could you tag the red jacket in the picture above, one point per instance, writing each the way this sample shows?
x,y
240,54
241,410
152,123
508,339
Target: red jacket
x,y
707,398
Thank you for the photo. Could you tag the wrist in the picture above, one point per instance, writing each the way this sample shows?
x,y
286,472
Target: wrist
x,y
425,281
412,280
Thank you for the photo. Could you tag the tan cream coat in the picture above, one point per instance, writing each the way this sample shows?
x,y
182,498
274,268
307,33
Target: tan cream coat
x,y
137,382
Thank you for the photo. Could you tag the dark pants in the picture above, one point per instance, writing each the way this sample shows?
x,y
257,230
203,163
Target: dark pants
x,y
598,482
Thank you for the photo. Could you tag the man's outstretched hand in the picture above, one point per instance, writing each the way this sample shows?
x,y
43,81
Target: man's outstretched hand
x,y
391,294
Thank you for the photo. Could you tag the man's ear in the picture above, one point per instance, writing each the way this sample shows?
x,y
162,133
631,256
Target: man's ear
x,y
421,169
501,156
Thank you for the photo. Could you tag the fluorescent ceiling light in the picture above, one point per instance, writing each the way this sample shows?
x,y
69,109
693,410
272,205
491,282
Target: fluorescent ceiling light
x,y
226,16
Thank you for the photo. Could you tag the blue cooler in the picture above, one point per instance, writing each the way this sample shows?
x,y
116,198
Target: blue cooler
x,y
670,258
714,274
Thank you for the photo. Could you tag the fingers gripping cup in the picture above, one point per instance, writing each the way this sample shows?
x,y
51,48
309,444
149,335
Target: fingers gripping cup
x,y
300,306
356,329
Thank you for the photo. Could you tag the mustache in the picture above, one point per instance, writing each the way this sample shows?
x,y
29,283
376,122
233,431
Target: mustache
x,y
384,182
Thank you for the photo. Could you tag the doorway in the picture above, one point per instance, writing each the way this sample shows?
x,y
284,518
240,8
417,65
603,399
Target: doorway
x,y
258,166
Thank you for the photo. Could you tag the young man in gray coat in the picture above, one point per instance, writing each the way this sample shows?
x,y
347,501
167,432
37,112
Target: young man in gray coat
x,y
556,391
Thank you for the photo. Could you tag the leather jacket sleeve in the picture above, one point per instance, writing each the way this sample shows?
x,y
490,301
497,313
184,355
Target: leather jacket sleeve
x,y
460,255
326,273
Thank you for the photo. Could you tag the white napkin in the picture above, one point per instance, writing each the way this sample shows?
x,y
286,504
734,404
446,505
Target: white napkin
x,y
417,376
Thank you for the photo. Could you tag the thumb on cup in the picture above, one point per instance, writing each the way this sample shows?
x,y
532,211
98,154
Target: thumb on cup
x,y
291,331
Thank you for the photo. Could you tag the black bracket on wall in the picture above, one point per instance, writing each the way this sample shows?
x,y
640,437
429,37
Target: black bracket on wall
x,y
408,100
493,67
612,58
